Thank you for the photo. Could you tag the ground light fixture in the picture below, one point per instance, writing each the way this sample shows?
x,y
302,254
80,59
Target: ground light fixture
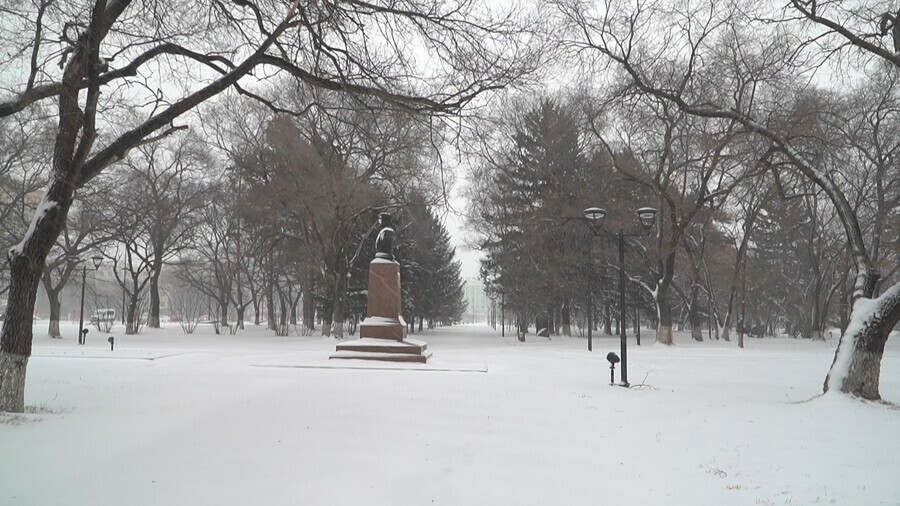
x,y
613,360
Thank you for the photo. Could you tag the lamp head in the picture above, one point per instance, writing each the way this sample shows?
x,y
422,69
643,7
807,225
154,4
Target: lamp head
x,y
647,217
595,215
96,259
612,358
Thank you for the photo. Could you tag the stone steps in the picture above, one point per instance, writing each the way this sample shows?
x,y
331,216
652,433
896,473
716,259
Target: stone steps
x,y
368,348
371,345
384,357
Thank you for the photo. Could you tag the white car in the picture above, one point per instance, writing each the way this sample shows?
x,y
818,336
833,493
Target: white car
x,y
103,315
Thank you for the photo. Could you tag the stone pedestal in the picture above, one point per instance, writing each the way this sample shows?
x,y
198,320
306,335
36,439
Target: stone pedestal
x,y
382,335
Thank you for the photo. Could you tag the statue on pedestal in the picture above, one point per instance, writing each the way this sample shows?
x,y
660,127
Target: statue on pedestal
x,y
382,334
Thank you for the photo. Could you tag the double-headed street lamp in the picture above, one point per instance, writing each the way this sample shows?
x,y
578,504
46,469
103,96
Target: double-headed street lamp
x,y
595,216
96,259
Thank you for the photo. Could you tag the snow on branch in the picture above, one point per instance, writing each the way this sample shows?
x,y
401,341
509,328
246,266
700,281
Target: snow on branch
x,y
42,210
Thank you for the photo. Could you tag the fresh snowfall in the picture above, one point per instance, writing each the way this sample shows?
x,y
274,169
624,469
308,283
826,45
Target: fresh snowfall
x,y
172,419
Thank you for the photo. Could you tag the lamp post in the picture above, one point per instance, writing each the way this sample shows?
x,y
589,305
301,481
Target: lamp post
x,y
594,217
96,259
123,295
502,317
646,218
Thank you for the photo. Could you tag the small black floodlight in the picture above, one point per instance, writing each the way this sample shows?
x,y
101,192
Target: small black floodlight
x,y
613,360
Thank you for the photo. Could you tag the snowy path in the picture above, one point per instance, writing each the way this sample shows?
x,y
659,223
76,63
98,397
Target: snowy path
x,y
176,419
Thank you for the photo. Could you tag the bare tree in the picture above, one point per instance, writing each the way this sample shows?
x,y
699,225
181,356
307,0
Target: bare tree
x,y
335,202
685,161
166,191
209,264
187,301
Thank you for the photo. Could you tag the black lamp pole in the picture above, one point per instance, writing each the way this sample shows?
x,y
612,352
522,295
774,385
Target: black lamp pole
x,y
623,344
81,311
594,217
502,317
590,306
123,295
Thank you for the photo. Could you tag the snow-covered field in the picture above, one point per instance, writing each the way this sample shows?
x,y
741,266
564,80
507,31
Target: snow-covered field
x,y
171,419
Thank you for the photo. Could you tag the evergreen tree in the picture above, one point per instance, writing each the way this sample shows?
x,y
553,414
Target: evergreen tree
x,y
532,259
430,272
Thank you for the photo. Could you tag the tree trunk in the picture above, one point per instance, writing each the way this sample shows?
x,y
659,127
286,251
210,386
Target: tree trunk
x,y
153,320
26,265
637,324
522,328
53,300
271,324
607,320
131,324
664,327
326,324
309,311
240,315
340,295
223,309
663,305
694,317
566,320
725,326
12,382
293,310
856,367
282,316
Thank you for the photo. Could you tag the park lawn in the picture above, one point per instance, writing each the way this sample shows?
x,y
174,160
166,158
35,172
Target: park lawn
x,y
203,419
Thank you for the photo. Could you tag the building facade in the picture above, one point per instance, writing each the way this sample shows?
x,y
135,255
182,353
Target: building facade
x,y
479,305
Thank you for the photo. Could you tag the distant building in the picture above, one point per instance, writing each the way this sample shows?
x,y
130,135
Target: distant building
x,y
479,306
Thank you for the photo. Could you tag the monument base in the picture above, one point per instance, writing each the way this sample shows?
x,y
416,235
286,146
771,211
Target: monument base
x,y
382,327
382,334
390,350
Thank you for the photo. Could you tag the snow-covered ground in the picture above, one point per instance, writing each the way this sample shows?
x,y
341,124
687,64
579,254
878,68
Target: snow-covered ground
x,y
171,419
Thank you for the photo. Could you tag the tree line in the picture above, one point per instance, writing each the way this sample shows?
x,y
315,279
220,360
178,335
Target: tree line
x,y
276,216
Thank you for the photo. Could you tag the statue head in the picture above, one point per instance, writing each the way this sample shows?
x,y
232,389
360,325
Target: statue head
x,y
384,243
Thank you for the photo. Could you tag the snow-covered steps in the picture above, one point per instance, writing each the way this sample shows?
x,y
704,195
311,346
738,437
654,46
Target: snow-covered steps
x,y
368,348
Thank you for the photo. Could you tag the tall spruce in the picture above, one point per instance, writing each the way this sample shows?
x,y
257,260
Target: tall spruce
x,y
538,182
431,274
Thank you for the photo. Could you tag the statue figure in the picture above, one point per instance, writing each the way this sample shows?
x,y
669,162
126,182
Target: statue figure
x,y
384,243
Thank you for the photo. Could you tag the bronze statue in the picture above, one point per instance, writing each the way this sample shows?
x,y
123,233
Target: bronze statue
x,y
384,243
